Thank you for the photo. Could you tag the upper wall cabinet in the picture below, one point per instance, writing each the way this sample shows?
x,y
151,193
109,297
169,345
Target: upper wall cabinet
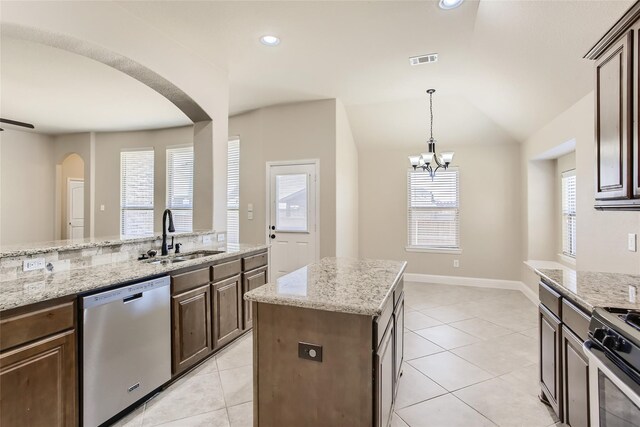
x,y
617,57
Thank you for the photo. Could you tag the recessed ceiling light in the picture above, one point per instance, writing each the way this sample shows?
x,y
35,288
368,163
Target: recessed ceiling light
x,y
449,4
272,40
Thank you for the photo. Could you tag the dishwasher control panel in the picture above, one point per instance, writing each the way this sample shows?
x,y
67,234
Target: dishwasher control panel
x,y
123,292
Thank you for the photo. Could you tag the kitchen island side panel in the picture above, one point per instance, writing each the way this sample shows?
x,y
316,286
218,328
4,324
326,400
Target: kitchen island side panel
x,y
292,391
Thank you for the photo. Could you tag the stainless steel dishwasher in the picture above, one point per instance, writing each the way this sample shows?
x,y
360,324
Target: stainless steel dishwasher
x,y
126,350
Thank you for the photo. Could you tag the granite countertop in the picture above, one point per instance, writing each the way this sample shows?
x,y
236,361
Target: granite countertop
x,y
28,290
343,285
90,242
591,289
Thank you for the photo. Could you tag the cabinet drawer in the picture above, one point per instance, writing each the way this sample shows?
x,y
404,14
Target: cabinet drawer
x,y
397,292
192,279
222,271
382,321
575,319
551,299
254,261
27,327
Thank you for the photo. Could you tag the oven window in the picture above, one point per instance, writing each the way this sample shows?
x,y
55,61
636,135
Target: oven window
x,y
616,409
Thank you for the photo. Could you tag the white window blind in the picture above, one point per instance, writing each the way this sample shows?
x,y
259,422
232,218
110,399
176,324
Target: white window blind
x,y
233,191
180,187
136,193
569,213
432,214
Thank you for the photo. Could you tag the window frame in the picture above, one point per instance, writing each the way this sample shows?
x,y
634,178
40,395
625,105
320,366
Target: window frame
x,y
565,234
168,185
136,208
430,248
233,210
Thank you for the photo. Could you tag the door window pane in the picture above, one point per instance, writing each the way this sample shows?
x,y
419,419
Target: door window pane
x,y
291,202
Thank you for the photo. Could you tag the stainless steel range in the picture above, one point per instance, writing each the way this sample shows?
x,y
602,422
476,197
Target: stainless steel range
x,y
614,367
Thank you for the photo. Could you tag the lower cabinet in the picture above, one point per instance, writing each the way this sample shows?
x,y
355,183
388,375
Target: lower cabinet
x,y
398,342
191,327
251,280
575,380
550,362
385,377
227,310
38,377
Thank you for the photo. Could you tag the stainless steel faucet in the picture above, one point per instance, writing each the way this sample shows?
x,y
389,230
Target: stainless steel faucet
x,y
165,248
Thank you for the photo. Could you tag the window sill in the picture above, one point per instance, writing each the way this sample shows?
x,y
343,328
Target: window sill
x,y
433,250
567,259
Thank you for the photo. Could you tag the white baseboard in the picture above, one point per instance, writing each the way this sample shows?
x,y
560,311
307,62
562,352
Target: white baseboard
x,y
474,281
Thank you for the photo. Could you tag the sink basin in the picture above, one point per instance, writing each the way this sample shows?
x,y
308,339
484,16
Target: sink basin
x,y
187,256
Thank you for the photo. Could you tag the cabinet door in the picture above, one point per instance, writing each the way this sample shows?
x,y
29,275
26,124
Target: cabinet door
x,y
550,362
251,280
39,383
575,380
227,310
398,318
191,327
385,373
613,103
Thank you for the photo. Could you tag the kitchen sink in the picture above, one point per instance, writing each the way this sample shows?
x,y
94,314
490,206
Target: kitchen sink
x,y
187,256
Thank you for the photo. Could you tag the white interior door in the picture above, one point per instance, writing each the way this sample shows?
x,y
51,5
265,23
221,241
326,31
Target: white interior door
x,y
293,216
75,209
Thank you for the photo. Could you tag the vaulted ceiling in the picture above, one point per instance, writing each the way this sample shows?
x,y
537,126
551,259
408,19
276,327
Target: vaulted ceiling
x,y
506,68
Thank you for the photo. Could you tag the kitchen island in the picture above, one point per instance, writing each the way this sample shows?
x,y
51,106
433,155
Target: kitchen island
x,y
328,345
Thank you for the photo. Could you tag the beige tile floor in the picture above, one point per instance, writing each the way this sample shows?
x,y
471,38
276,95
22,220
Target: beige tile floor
x,y
470,360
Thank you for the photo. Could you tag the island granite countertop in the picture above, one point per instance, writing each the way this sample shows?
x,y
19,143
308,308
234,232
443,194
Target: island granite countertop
x,y
590,289
29,290
346,285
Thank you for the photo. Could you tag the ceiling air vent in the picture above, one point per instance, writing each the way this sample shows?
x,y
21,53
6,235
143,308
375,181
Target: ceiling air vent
x,y
423,59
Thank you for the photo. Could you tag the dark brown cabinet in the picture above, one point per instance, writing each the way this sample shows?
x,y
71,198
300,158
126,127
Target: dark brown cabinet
x,y
575,380
251,280
38,368
227,310
550,334
616,126
192,334
385,377
398,342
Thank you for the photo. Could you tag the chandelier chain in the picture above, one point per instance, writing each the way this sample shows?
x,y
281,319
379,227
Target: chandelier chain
x,y
431,111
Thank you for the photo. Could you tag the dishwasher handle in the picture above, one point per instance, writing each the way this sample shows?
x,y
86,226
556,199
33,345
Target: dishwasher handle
x,y
132,297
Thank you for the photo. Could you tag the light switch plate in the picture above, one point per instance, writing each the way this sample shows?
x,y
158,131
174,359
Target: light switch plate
x,y
249,214
250,207
632,242
102,208
220,237
33,264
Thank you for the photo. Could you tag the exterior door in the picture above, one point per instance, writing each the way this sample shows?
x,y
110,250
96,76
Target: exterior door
x,y
75,209
292,217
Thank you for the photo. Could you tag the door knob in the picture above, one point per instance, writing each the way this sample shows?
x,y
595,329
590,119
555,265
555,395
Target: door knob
x,y
273,236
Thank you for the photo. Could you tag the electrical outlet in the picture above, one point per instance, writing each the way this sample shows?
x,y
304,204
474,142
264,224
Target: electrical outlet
x,y
221,237
633,294
249,214
33,264
206,240
102,208
456,263
632,242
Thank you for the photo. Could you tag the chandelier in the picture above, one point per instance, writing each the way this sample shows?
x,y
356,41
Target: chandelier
x,y
427,161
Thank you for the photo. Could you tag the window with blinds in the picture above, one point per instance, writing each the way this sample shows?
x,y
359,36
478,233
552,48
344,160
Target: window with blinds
x,y
233,191
180,187
136,193
433,210
569,213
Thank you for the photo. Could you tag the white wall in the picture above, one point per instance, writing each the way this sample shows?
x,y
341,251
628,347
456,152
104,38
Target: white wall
x,y
602,235
27,186
107,189
489,211
346,186
286,132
